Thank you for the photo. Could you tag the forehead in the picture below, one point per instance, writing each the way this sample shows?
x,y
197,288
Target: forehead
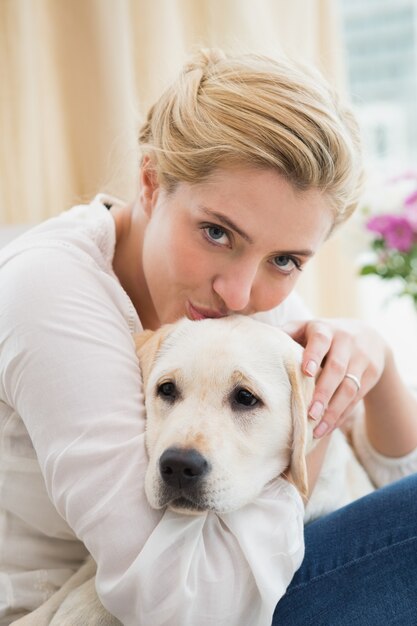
x,y
269,207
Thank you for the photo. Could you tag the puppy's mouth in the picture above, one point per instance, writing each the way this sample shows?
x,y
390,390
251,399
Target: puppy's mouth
x,y
188,506
184,500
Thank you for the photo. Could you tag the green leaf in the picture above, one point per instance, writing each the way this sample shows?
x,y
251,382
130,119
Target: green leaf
x,y
378,244
368,269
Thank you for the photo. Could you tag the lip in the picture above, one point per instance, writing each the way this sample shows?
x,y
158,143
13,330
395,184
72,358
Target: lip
x,y
197,313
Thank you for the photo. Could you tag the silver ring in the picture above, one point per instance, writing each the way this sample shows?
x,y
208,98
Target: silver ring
x,y
355,380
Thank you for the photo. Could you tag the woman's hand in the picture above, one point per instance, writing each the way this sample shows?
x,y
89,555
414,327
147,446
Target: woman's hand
x,y
349,358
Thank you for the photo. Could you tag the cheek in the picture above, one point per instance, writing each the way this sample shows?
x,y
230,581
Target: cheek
x,y
166,258
267,296
188,262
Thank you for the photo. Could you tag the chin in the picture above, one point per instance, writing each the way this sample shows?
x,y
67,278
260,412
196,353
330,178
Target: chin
x,y
184,506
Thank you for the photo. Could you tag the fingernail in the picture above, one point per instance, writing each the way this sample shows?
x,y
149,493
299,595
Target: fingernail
x,y
321,429
316,410
311,368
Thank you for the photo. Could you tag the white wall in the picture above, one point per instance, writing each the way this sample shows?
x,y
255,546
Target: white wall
x,y
395,318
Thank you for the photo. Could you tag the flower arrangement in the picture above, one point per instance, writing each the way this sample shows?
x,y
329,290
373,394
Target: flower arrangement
x,y
392,222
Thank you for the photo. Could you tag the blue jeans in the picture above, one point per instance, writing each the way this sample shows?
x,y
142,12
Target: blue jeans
x,y
360,565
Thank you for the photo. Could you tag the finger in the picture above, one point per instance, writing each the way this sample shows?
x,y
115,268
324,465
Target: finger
x,y
340,406
319,338
331,376
351,411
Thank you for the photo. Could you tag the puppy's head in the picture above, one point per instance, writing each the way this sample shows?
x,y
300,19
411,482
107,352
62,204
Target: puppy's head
x,y
226,412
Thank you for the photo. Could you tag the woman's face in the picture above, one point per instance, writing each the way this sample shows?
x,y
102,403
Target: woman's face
x,y
236,243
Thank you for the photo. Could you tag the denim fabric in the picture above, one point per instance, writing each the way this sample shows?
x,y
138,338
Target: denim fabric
x,y
360,565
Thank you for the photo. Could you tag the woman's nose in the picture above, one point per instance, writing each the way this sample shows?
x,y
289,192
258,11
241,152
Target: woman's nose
x,y
234,286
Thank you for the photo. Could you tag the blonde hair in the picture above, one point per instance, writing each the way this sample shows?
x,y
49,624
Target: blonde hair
x,y
253,110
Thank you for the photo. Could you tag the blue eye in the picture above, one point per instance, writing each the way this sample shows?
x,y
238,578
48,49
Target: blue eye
x,y
286,263
216,234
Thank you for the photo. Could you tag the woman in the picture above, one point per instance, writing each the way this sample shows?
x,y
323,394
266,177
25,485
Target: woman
x,y
248,165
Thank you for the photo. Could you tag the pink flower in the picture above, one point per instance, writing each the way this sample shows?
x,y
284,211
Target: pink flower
x,y
410,210
411,201
397,231
379,224
410,214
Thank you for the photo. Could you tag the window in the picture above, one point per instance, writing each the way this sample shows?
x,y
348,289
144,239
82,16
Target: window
x,y
380,43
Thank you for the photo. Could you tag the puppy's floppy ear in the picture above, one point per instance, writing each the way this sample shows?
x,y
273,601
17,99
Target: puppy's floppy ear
x,y
301,393
147,345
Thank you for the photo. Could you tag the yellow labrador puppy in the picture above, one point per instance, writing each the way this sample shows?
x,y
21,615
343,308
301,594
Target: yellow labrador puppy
x,y
237,406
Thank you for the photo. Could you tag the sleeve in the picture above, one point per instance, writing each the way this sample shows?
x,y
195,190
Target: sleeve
x,y
68,366
218,570
381,469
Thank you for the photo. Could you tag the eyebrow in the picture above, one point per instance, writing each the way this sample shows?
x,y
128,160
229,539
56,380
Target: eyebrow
x,y
226,221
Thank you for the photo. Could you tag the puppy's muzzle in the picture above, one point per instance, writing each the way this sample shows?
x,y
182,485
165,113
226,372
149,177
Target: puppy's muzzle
x,y
182,468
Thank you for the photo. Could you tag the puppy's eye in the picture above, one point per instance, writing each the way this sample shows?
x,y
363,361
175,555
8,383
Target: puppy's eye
x,y
245,397
167,391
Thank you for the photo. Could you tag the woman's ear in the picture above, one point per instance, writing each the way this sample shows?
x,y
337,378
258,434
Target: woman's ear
x,y
149,186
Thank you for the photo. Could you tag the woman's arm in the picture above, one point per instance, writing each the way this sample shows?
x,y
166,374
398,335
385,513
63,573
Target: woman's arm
x,y
68,367
391,413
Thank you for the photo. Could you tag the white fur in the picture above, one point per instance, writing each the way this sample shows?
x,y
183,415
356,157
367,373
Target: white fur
x,y
245,447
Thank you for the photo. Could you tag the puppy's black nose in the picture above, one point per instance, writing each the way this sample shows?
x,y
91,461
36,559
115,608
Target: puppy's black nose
x,y
182,468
